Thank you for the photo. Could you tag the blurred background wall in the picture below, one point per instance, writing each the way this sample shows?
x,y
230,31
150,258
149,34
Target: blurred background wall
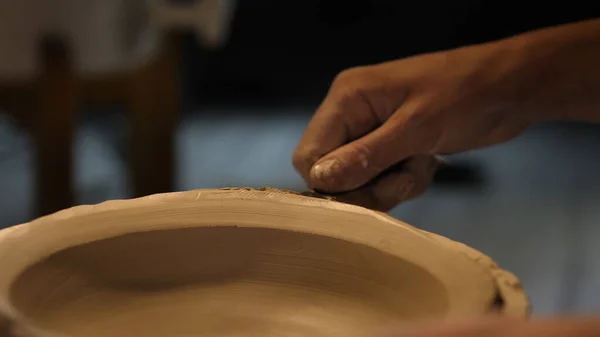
x,y
531,204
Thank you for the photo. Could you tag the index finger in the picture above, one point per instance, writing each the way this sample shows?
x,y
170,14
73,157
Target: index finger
x,y
343,116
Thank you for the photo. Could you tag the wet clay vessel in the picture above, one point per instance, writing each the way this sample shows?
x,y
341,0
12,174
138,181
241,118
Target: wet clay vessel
x,y
238,262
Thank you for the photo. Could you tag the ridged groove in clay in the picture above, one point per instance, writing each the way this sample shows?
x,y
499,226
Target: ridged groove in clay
x,y
504,284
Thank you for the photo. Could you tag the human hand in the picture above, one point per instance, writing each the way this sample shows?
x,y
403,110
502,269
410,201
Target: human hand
x,y
498,327
373,139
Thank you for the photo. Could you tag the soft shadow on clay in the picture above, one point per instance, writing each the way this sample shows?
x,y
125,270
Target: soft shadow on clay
x,y
205,263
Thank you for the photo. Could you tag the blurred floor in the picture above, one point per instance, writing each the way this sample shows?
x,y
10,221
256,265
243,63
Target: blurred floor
x,y
536,215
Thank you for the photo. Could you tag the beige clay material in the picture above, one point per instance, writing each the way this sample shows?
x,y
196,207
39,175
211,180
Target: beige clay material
x,y
238,262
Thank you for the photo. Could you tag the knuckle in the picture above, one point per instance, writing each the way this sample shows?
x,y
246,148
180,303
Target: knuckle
x,y
350,84
350,75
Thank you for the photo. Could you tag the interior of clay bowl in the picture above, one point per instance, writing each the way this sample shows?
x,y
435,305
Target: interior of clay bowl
x,y
224,281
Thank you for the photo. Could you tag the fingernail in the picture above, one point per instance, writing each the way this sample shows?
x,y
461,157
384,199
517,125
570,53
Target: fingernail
x,y
326,169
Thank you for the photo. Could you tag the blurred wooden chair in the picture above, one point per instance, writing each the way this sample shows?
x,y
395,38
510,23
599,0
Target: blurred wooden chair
x,y
56,57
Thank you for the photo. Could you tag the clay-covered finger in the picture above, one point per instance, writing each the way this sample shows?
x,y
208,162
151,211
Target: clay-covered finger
x,y
359,162
344,115
401,183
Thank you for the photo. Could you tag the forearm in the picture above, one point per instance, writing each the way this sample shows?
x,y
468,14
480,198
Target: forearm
x,y
558,72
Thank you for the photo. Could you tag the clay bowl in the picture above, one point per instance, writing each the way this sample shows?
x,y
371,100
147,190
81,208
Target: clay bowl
x,y
238,262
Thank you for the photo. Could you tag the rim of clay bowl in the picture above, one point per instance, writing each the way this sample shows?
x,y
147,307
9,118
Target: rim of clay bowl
x,y
482,285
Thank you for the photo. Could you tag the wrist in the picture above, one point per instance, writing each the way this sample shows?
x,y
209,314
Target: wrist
x,y
553,73
529,80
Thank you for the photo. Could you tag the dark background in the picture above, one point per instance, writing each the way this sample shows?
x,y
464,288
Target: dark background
x,y
290,50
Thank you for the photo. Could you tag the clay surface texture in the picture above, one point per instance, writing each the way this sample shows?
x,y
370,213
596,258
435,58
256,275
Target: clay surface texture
x,y
237,262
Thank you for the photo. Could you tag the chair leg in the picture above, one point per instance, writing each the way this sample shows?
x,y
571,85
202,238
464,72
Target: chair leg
x,y
153,110
54,127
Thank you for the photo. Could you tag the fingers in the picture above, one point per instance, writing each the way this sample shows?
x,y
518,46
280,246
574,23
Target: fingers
x,y
358,162
403,182
346,114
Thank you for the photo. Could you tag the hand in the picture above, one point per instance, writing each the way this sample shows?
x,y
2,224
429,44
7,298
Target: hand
x,y
579,327
373,138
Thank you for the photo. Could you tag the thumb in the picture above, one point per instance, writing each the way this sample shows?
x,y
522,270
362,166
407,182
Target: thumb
x,y
358,162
